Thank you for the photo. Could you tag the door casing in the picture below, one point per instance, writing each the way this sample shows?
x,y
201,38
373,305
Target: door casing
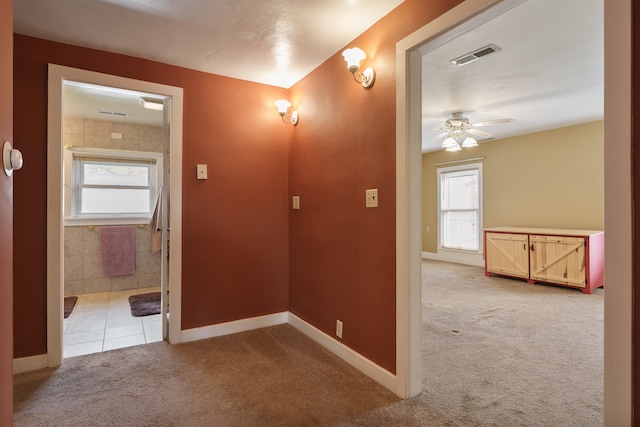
x,y
55,245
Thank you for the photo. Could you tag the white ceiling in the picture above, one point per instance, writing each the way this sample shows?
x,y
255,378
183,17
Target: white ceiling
x,y
548,74
275,42
105,103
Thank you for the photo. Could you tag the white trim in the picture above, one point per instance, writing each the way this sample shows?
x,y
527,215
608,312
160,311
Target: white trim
x,y
353,358
618,407
618,309
55,269
40,361
31,363
441,229
350,356
72,155
233,327
408,178
55,243
457,257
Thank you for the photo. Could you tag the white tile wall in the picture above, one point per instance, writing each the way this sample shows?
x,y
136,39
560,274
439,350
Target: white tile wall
x,y
82,262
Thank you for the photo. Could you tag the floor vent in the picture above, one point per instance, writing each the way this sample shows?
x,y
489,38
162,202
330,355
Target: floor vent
x,y
475,55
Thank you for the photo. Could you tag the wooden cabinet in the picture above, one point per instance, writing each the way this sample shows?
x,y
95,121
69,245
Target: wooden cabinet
x,y
507,254
564,257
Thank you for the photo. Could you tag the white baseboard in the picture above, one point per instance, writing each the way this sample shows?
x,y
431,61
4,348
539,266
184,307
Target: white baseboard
x,y
232,327
353,358
455,257
31,363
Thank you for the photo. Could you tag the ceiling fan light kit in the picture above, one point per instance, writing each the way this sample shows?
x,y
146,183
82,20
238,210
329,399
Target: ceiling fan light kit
x,y
458,128
469,142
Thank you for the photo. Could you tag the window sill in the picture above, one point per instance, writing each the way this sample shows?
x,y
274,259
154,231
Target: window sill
x,y
460,251
79,222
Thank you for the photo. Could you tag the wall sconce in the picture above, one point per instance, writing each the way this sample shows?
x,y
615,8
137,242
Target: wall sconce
x,y
353,57
283,105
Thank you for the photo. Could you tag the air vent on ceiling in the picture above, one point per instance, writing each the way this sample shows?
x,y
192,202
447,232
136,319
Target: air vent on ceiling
x,y
475,55
113,113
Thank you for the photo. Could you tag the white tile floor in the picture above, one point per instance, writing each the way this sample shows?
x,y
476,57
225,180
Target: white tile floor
x,y
103,321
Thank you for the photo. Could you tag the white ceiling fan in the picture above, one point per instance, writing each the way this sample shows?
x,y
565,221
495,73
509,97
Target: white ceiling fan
x,y
458,128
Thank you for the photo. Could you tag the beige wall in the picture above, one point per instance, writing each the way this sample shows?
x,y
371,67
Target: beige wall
x,y
549,179
82,260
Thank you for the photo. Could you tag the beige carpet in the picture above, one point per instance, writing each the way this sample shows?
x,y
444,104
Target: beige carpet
x,y
496,352
501,352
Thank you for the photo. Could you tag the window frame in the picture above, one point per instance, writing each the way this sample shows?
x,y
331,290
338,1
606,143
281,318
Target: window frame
x,y
73,157
441,172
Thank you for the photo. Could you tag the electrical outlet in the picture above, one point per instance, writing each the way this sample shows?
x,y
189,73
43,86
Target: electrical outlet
x,y
201,171
339,328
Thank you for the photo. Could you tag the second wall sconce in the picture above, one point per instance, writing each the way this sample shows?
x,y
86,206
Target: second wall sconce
x,y
283,105
353,57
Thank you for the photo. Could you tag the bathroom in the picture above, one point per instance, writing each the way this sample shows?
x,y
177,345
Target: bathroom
x,y
101,318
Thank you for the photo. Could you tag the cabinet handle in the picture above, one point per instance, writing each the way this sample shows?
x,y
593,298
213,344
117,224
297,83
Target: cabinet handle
x,y
524,246
532,248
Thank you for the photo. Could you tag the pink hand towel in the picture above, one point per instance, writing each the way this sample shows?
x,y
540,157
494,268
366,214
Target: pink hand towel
x,y
117,246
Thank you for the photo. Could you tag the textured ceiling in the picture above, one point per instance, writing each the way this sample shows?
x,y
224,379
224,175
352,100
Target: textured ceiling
x,y
549,73
276,42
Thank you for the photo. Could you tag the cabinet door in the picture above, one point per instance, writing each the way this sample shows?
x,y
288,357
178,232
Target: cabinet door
x,y
507,254
558,259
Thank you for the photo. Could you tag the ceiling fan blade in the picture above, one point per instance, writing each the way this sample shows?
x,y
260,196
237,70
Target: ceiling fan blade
x,y
480,133
493,122
435,138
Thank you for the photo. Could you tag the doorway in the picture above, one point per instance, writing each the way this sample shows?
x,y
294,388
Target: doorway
x,y
152,158
115,144
617,203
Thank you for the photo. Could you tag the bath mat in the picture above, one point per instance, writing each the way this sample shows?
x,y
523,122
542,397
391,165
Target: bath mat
x,y
69,304
145,304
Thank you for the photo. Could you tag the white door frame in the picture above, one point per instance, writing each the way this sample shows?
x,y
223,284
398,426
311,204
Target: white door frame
x,y
618,225
55,245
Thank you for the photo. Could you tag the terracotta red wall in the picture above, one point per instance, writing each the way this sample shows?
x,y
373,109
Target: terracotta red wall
x,y
635,134
6,218
342,254
235,224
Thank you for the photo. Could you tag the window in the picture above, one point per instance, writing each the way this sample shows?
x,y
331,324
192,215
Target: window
x,y
460,207
111,185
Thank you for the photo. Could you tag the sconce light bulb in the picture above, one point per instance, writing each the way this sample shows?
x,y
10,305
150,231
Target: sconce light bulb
x,y
283,105
353,57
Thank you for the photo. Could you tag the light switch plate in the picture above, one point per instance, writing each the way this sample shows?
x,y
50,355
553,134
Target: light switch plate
x,y
201,171
296,202
372,198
